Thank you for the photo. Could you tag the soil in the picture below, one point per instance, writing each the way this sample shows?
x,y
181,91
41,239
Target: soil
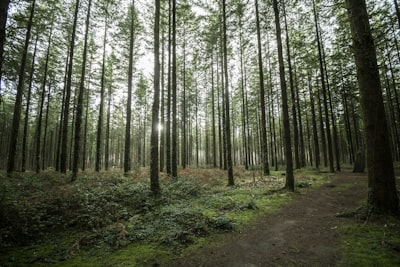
x,y
303,233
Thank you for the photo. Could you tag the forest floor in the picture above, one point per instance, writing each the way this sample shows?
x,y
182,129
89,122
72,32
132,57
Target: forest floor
x,y
311,231
108,219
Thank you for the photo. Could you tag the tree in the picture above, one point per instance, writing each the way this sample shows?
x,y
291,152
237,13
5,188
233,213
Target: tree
x,y
42,98
3,22
174,137
66,111
382,194
285,110
227,129
324,90
18,99
127,156
154,183
264,143
28,103
79,109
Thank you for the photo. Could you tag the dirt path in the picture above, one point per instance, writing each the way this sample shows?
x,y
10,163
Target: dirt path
x,y
304,233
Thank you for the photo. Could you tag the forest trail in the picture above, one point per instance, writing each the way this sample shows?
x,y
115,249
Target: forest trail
x,y
304,233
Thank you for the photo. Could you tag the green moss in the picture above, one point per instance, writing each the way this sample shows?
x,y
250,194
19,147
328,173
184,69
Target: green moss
x,y
372,244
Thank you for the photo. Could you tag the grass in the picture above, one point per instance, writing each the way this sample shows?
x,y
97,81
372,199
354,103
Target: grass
x,y
46,220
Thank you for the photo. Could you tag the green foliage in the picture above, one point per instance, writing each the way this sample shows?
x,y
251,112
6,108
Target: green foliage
x,y
109,213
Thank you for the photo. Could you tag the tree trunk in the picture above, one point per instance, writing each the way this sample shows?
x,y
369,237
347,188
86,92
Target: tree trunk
x,y
64,142
154,183
46,123
28,102
162,113
285,110
79,107
127,151
382,195
264,143
107,148
324,92
174,145
314,124
3,23
99,140
292,93
168,123
227,115
18,99
42,99
85,130
214,135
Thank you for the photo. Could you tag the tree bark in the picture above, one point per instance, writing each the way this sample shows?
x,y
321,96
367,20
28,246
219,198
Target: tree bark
x,y
99,140
382,195
174,145
42,98
127,151
292,93
154,183
324,91
18,99
3,23
64,141
264,143
227,110
285,110
28,102
79,107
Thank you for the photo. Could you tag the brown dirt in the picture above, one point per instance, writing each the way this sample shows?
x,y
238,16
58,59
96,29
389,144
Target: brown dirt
x,y
303,233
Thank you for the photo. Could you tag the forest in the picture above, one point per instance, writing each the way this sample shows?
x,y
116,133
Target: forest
x,y
158,133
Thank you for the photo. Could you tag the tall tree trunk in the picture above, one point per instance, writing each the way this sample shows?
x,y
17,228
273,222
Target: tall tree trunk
x,y
28,102
285,110
242,88
42,99
18,99
154,183
292,93
162,113
174,154
314,124
324,91
127,151
227,110
85,130
382,194
264,143
107,148
46,123
99,140
214,135
168,123
60,128
64,142
3,23
79,107
321,127
184,109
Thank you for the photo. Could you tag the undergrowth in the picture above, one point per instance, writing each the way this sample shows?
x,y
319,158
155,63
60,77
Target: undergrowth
x,y
44,219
